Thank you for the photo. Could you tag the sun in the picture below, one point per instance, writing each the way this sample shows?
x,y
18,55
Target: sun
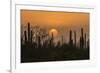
x,y
54,32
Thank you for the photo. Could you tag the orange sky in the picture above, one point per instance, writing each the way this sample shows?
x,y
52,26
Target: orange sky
x,y
62,21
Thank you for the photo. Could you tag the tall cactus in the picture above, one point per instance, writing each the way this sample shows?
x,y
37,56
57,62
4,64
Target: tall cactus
x,y
85,41
75,38
25,35
52,40
29,32
81,39
70,38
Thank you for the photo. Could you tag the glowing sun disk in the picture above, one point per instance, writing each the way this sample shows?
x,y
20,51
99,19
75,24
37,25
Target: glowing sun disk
x,y
54,32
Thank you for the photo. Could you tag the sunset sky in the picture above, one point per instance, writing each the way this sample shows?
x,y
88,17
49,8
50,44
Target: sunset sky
x,y
62,22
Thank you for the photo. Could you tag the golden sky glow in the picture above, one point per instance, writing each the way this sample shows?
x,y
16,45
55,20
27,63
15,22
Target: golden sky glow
x,y
61,21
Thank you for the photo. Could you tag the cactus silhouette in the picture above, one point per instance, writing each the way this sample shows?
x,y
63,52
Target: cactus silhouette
x,y
29,32
85,41
25,34
70,38
81,39
75,38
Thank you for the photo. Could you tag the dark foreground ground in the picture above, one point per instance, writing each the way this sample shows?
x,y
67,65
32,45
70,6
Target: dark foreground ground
x,y
30,54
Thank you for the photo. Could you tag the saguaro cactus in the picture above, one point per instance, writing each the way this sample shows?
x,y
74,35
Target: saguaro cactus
x,y
81,39
25,35
85,41
29,33
75,38
70,38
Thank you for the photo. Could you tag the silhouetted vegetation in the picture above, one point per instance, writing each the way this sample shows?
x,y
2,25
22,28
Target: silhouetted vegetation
x,y
38,46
